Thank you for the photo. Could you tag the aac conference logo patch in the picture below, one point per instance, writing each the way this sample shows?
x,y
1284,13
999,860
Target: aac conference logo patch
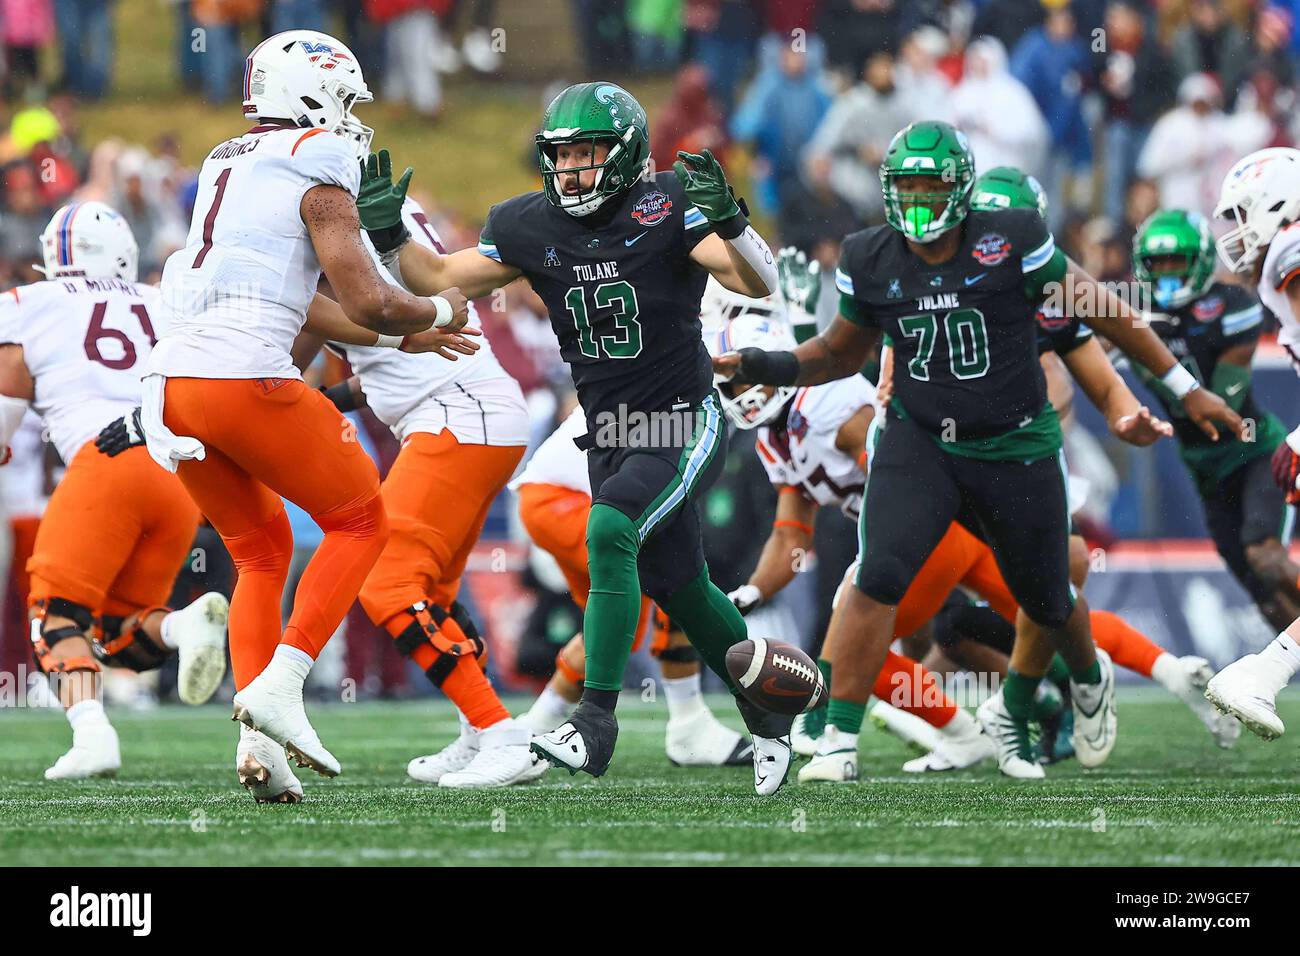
x,y
991,249
652,208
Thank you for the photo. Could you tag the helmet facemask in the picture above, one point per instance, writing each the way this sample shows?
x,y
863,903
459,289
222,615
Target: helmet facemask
x,y
913,211
756,405
608,181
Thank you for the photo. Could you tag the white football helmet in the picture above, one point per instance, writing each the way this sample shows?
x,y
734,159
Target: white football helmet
x,y
758,404
1260,194
720,305
308,78
89,239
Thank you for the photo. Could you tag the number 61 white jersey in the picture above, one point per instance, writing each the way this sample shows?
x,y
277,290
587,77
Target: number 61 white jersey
x,y
85,343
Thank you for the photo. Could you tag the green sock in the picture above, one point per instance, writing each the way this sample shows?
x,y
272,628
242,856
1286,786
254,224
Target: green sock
x,y
711,622
1018,694
1059,674
1089,675
614,606
824,666
846,715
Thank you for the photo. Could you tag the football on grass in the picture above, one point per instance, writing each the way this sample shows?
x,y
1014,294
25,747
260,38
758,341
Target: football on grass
x,y
775,676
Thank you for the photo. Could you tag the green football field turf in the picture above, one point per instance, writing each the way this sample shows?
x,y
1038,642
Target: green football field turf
x,y
1168,796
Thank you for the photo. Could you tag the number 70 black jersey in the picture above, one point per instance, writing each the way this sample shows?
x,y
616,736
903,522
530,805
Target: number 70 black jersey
x,y
964,331
622,291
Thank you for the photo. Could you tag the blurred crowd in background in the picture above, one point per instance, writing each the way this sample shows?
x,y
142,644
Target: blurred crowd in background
x,y
1117,106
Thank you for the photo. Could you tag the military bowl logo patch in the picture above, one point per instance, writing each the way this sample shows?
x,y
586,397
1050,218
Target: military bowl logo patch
x,y
991,249
652,208
797,424
1208,309
1052,319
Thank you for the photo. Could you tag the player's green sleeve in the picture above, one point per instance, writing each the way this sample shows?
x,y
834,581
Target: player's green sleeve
x,y
1231,383
1051,271
850,309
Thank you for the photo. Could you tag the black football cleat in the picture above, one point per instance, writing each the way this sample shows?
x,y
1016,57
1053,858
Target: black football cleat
x,y
583,742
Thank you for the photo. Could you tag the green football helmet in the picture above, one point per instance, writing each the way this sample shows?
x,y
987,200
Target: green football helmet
x,y
594,113
934,149
1005,187
1173,257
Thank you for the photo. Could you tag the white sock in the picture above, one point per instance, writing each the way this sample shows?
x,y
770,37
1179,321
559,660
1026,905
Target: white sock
x,y
961,724
843,741
87,712
551,704
1283,653
167,637
289,663
683,695
1164,673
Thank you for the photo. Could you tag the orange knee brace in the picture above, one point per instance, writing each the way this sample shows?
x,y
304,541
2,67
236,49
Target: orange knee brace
x,y
435,638
43,640
130,648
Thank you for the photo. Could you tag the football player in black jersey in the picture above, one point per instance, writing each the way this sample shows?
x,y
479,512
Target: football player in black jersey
x,y
620,256
970,432
1213,328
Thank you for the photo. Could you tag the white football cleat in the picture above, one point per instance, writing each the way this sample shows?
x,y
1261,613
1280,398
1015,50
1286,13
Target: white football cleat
x,y
962,744
836,760
95,753
503,758
1010,738
263,769
1247,689
274,707
199,632
772,759
456,756
803,742
1096,723
909,728
701,740
1186,678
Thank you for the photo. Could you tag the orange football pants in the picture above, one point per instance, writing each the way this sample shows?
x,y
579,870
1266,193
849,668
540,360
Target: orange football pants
x,y
555,518
115,534
268,438
437,495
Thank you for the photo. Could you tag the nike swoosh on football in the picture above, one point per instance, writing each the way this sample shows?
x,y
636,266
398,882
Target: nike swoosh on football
x,y
628,242
770,687
971,280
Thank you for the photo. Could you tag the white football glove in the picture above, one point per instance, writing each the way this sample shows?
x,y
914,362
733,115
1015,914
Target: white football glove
x,y
746,598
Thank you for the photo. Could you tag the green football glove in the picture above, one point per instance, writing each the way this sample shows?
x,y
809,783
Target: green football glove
x,y
706,187
800,282
379,202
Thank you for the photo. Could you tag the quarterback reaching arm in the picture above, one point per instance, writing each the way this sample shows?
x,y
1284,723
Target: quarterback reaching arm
x,y
332,223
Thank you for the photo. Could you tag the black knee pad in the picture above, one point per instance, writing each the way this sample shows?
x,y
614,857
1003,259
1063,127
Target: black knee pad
x,y
962,621
883,578
686,654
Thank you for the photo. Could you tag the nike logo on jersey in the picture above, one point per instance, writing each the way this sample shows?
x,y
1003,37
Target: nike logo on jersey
x,y
1234,389
971,280
628,242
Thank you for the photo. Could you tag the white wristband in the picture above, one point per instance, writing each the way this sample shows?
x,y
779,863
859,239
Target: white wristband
x,y
444,312
1179,381
389,341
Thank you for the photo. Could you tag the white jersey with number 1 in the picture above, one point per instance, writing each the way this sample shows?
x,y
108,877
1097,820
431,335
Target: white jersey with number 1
x,y
237,294
85,343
